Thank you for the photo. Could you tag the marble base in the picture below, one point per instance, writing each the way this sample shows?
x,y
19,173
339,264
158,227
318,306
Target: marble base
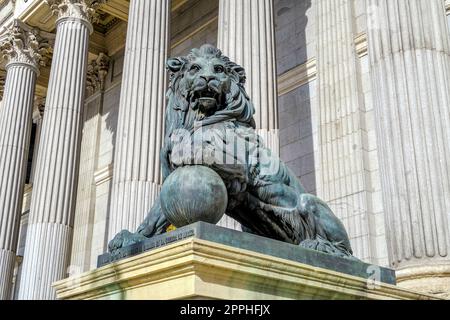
x,y
432,279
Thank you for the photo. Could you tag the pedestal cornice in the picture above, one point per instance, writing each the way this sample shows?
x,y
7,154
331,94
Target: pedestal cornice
x,y
199,269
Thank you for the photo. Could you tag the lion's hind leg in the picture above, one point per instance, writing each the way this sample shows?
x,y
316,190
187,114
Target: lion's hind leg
x,y
330,235
322,245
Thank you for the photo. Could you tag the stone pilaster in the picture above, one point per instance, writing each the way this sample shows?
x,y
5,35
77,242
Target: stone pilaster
x,y
247,36
24,50
342,150
85,207
136,181
409,48
47,249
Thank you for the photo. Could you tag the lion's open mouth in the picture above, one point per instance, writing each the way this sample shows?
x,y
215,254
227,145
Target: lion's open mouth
x,y
208,101
207,93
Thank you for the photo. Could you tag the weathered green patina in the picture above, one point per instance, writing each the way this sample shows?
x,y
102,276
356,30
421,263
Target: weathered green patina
x,y
209,122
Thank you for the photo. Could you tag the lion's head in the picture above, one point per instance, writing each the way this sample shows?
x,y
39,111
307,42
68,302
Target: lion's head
x,y
207,87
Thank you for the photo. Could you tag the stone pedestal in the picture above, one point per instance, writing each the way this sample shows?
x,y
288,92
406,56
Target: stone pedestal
x,y
433,279
208,262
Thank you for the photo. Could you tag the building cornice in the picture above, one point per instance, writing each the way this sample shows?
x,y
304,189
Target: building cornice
x,y
103,175
361,45
307,71
297,77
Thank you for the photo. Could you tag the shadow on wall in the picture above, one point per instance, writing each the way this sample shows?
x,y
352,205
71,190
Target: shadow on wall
x,y
107,111
295,117
111,121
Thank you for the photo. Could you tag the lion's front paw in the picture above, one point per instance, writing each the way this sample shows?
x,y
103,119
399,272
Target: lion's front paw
x,y
124,239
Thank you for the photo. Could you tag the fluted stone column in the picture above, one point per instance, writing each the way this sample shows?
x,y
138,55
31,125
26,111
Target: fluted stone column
x,y
247,36
409,48
136,181
23,50
342,151
47,249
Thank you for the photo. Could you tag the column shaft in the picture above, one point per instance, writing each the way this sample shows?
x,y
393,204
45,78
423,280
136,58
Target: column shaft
x,y
343,155
47,248
15,130
136,181
409,47
247,36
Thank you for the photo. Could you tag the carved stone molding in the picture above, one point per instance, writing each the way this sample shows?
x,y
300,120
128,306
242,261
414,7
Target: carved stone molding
x,y
3,3
2,85
38,109
26,45
96,73
79,9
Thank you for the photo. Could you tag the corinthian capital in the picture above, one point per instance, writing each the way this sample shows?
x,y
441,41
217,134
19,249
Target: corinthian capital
x,y
23,44
96,73
80,9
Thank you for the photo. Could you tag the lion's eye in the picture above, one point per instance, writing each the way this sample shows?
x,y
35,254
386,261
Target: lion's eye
x,y
219,69
195,68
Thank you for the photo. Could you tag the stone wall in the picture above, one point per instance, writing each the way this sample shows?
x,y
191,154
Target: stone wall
x,y
194,26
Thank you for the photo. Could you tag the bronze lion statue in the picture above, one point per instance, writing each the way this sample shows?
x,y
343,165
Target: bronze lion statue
x,y
208,111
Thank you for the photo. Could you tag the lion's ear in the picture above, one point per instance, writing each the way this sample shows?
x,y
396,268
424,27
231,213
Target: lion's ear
x,y
240,73
175,65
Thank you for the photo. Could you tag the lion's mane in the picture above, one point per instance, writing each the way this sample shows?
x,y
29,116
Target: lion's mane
x,y
237,107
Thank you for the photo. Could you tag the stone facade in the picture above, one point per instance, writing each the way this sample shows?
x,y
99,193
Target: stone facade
x,y
355,101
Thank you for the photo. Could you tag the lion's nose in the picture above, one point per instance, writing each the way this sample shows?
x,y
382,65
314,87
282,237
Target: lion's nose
x,y
207,78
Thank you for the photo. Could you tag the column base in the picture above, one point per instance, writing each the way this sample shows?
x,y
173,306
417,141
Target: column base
x,y
45,260
433,279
